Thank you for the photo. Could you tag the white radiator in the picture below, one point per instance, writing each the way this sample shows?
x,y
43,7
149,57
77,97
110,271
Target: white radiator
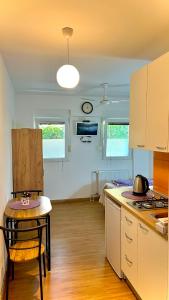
x,y
100,177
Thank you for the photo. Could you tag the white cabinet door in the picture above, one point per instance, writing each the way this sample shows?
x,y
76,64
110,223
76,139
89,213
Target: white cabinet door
x,y
158,104
113,228
152,264
138,100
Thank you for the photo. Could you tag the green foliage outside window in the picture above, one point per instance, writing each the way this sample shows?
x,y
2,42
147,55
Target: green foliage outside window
x,y
53,131
117,131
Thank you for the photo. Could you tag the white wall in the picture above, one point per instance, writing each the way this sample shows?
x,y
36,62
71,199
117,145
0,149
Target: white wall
x,y
71,179
6,121
143,163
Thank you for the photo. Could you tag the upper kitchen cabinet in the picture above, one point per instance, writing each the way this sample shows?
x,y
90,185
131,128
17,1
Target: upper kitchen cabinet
x,y
158,104
138,103
149,106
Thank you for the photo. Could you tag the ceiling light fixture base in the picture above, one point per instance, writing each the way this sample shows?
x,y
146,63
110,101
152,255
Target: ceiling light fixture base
x,y
67,32
67,76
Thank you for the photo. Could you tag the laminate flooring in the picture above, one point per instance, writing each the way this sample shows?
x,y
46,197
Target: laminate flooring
x,y
80,270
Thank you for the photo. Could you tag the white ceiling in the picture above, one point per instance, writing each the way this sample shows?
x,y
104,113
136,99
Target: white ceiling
x,y
111,39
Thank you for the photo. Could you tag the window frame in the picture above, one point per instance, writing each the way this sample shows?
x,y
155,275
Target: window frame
x,y
56,120
104,128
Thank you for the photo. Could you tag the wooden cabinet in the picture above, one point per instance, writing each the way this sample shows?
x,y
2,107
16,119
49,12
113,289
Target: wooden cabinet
x,y
152,264
149,106
158,104
112,235
27,159
129,247
138,109
144,258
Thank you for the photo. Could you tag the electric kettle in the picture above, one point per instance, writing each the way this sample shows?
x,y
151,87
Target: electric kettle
x,y
140,186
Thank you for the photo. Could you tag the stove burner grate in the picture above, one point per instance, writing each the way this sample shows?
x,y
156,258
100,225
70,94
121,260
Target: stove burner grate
x,y
152,203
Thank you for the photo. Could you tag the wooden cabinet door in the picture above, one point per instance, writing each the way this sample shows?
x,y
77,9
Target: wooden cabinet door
x,y
152,264
158,104
138,103
27,159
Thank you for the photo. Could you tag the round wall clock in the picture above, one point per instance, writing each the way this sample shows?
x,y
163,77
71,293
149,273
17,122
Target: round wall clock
x,y
87,107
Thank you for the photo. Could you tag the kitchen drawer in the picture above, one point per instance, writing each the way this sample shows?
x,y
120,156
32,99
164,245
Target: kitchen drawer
x,y
129,222
129,242
129,268
129,246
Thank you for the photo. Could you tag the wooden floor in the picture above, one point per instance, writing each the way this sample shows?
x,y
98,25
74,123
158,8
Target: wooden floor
x,y
79,268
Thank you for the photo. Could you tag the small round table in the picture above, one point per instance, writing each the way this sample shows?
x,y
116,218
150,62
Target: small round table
x,y
40,212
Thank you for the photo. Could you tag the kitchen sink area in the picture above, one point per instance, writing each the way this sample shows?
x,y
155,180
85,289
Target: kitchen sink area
x,y
160,215
155,209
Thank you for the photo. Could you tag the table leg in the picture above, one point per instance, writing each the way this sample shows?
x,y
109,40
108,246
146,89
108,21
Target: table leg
x,y
48,246
46,234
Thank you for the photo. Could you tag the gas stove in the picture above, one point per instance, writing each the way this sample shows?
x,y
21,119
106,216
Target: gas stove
x,y
151,203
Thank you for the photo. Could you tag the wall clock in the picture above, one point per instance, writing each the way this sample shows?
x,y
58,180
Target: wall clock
x,y
87,107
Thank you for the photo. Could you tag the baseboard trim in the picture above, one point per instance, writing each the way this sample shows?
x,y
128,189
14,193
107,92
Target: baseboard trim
x,y
132,288
54,201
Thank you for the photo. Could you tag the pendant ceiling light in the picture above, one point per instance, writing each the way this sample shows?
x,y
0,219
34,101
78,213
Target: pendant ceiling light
x,y
67,76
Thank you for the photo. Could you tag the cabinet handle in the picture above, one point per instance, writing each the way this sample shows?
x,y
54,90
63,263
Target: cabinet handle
x,y
140,146
143,228
128,220
128,238
161,148
128,260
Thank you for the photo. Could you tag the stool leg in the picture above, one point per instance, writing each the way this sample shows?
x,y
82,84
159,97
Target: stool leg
x,y
44,265
40,277
7,278
12,264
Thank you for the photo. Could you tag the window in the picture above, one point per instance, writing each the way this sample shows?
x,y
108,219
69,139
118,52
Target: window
x,y
116,140
54,135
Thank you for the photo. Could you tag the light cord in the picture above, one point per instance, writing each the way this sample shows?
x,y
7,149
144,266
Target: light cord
x,y
67,50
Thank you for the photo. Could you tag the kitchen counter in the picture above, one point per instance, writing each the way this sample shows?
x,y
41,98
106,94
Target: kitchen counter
x,y
145,216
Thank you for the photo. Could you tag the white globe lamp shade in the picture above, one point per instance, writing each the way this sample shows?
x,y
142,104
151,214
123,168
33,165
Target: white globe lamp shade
x,y
68,76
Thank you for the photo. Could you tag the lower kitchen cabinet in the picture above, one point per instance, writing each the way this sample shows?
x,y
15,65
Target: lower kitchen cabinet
x,y
129,247
144,258
112,235
152,264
